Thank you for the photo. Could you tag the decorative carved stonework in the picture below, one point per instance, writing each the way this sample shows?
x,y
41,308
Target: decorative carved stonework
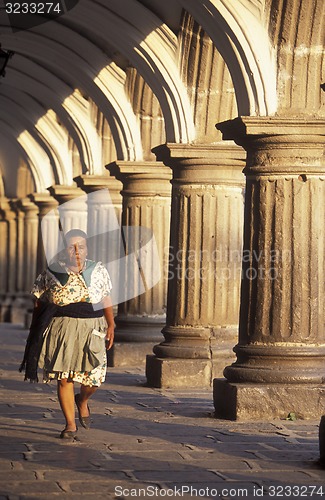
x,y
203,288
146,204
281,333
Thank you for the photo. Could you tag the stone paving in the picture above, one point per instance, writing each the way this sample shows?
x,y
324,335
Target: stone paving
x,y
144,443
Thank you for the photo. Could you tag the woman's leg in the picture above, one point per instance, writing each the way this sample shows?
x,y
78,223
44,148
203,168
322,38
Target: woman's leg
x,y
85,393
66,399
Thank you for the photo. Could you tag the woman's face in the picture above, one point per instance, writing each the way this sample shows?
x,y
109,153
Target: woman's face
x,y
77,251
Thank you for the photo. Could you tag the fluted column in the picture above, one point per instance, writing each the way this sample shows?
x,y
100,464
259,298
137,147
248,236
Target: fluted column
x,y
104,202
48,229
19,250
8,257
25,258
146,214
72,207
204,270
3,254
30,211
281,350
10,218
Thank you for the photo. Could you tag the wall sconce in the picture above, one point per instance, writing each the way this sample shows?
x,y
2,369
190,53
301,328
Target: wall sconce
x,y
4,58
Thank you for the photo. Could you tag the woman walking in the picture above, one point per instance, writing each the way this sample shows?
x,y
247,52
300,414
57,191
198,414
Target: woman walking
x,y
79,329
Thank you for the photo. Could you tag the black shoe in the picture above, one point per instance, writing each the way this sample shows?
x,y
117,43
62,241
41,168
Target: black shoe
x,y
84,421
68,434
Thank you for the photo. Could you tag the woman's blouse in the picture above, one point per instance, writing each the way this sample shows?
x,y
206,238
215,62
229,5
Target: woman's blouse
x,y
75,289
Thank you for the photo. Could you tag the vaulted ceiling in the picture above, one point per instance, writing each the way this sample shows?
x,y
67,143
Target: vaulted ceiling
x,y
80,89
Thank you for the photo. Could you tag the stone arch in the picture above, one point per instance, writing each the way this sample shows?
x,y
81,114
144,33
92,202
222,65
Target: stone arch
x,y
151,48
32,153
34,148
298,32
239,32
2,187
207,78
46,130
147,110
18,82
103,81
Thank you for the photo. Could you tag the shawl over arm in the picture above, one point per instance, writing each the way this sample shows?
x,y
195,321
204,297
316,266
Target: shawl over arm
x,y
42,316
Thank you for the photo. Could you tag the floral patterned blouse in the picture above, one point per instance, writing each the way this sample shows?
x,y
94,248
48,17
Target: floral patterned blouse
x,y
75,289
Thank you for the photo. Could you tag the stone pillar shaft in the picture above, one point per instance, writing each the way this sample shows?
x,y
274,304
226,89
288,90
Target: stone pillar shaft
x,y
104,202
30,242
19,251
203,289
145,216
3,255
47,229
8,247
146,203
72,207
281,335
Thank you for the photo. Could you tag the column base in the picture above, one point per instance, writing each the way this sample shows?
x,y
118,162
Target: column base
x,y
178,372
129,354
247,402
21,310
5,307
322,441
16,308
133,342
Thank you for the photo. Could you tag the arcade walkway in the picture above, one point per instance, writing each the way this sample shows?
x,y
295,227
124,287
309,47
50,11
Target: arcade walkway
x,y
144,443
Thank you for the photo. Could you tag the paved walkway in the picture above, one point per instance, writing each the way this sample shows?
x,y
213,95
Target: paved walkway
x,y
144,443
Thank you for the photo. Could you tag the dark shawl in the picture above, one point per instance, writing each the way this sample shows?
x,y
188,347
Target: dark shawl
x,y
42,316
45,311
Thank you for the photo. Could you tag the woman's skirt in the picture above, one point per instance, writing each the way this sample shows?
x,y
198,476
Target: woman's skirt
x,y
74,349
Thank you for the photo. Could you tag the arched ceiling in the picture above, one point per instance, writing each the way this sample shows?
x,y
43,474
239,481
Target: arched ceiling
x,y
67,70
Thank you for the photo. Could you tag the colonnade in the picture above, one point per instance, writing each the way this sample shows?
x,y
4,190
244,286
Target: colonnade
x,y
191,199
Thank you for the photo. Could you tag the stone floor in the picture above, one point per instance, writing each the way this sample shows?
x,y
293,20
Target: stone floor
x,y
144,443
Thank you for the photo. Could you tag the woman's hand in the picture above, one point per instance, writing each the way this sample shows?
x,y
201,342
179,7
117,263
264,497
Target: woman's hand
x,y
109,339
108,313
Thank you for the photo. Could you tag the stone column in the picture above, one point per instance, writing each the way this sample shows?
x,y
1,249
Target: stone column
x,y
23,306
8,257
30,211
280,365
48,229
104,202
3,253
72,207
19,304
10,217
146,214
19,247
204,270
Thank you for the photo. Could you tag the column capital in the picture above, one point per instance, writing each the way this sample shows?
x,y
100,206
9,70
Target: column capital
x,y
271,125
44,201
27,206
16,208
8,212
65,193
278,145
143,178
204,163
144,169
91,183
